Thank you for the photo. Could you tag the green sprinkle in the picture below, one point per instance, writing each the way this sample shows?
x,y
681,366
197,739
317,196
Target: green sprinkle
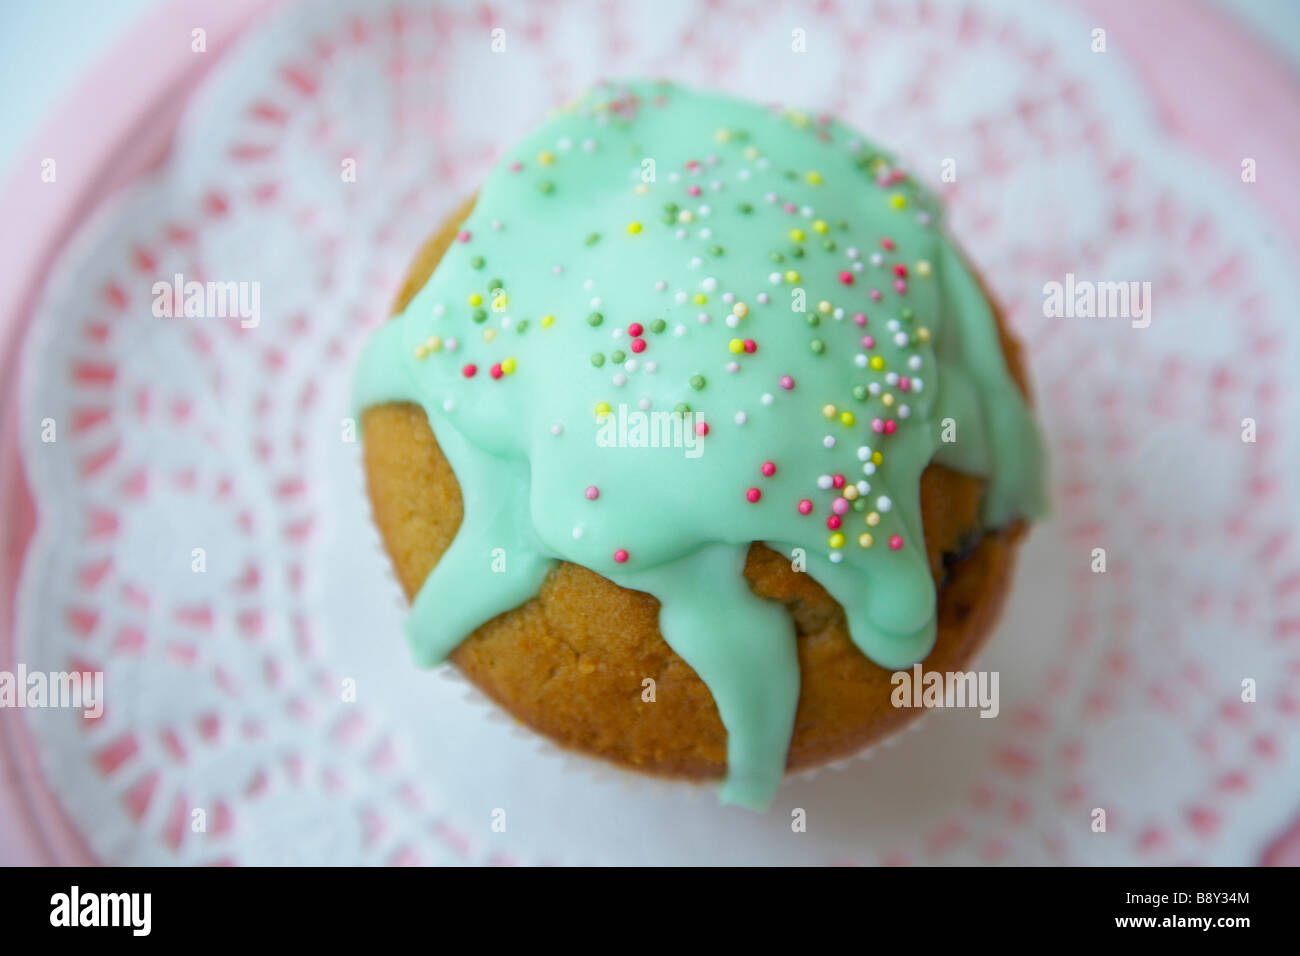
x,y
476,262
618,357
745,208
796,251
597,359
479,315
697,382
817,346
860,392
522,327
668,219
716,250
494,284
791,174
907,313
777,257
658,325
842,224
859,504
671,208
546,186
813,319
829,245
595,319
593,238
681,408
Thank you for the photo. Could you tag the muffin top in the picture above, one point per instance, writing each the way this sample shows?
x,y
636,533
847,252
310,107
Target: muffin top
x,y
676,323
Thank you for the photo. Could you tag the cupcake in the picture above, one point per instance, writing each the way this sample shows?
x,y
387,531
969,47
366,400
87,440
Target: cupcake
x,y
692,428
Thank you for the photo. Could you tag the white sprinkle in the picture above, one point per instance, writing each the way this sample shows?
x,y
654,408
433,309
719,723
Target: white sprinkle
x,y
448,405
674,177
829,441
836,557
869,468
557,429
589,144
643,404
874,388
729,297
709,284
577,533
557,270
893,325
651,367
715,185
741,418
852,252
838,315
704,318
824,482
774,278
766,398
680,234
619,379
864,452
733,367
764,298
864,487
771,197
733,320
681,298
706,233
616,333
883,503
565,144
630,365
595,301
857,267
904,411
452,345
704,210
695,262
743,174
439,310
496,225
877,258
806,212
918,385
914,362
860,360
891,378
660,285
589,284
679,331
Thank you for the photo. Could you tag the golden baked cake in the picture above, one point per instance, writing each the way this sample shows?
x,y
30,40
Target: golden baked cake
x,y
692,428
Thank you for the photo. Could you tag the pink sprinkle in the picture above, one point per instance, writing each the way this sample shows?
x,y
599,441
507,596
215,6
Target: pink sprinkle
x,y
900,286
470,370
693,189
896,542
768,469
805,507
787,382
750,346
875,295
905,383
516,166
620,556
495,371
877,425
790,207
860,319
692,164
753,494
891,426
592,492
900,270
635,329
833,522
638,345
702,429
462,236
846,277
887,244
838,481
868,341
840,506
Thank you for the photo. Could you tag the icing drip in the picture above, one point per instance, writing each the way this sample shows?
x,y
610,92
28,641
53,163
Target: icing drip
x,y
674,324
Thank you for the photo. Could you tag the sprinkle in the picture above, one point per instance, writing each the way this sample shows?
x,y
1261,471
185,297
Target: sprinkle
x,y
633,228
577,534
545,157
602,409
768,469
767,398
620,556
828,411
786,382
752,495
923,268
548,321
792,277
814,178
495,371
865,540
834,522
829,441
846,418
595,319
463,236
470,370
736,346
898,201
697,382
895,542
883,503
741,418
805,507
873,519
421,351
740,309
508,366
817,346
836,540
592,492
846,278
701,429
557,429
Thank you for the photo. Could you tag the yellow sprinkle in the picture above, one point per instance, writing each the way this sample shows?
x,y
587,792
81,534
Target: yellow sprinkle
x,y
700,298
641,189
887,400
548,321
923,267
792,277
824,307
877,458
820,226
685,216
797,235
898,201
846,418
545,157
923,334
751,152
602,409
837,540
489,335
865,540
722,136
740,309
433,343
799,119
633,228
508,366
421,352
850,492
873,518
814,177
877,362
828,411
475,299
736,346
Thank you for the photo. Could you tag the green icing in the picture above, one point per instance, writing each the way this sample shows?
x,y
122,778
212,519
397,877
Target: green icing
x,y
592,227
